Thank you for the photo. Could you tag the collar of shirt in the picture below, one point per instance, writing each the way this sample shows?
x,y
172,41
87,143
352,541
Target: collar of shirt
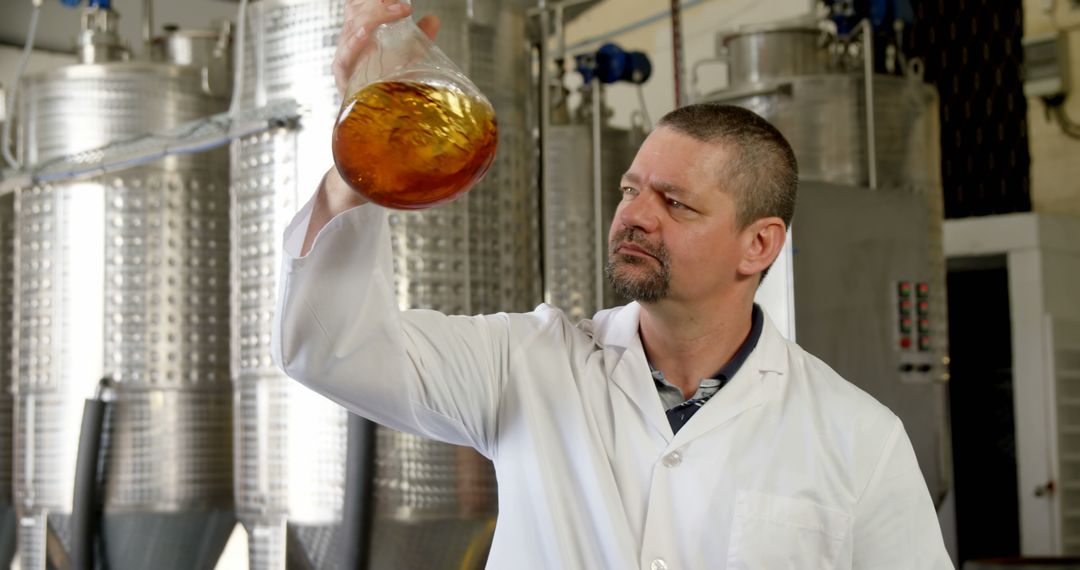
x,y
672,396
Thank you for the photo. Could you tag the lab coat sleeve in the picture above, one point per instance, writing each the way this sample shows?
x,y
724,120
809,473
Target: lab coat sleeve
x,y
338,330
896,526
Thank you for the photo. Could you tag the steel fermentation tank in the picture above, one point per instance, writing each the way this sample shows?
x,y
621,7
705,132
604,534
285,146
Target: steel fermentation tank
x,y
124,276
435,503
570,222
290,443
858,246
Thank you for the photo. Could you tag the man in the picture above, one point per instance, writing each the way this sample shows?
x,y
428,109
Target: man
x,y
680,431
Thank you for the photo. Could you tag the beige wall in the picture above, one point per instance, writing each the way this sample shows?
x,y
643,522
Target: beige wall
x,y
1055,158
701,22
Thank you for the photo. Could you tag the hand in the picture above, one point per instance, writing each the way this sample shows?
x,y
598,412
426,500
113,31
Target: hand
x,y
334,195
361,18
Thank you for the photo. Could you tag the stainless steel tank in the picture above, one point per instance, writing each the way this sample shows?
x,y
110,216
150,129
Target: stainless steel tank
x,y
571,269
757,53
435,503
124,276
869,271
824,117
290,443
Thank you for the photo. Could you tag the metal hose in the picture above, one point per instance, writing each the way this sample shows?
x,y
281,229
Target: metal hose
x,y
5,136
86,508
358,516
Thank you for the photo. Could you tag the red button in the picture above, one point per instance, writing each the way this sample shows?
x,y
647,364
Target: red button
x,y
905,342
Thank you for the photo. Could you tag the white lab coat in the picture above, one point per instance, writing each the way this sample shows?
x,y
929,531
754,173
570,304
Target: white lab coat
x,y
788,467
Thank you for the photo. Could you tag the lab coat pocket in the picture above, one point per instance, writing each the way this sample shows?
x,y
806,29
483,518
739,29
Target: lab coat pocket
x,y
771,532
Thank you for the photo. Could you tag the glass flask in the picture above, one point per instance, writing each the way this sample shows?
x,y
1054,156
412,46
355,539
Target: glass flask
x,y
413,132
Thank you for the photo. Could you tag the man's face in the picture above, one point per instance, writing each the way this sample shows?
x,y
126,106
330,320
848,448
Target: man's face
x,y
674,235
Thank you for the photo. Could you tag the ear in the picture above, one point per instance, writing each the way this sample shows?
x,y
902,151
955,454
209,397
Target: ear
x,y
762,241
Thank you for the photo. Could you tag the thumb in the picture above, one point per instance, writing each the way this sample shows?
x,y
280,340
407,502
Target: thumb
x,y
430,25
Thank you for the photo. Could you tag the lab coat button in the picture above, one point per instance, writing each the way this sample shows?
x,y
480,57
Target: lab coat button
x,y
658,564
672,459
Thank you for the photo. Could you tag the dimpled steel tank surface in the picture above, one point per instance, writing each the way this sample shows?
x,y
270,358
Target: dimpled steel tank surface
x,y
124,276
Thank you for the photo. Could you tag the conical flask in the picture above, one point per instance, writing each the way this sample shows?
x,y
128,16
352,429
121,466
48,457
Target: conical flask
x,y
413,132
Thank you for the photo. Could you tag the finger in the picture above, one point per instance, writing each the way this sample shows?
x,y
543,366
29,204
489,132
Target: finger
x,y
347,30
430,25
362,17
377,11
347,54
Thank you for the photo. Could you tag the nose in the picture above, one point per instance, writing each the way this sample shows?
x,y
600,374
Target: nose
x,y
642,212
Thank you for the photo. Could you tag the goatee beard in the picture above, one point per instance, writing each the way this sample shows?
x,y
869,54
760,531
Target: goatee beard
x,y
655,285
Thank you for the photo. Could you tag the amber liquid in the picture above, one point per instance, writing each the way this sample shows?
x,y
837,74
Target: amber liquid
x,y
410,146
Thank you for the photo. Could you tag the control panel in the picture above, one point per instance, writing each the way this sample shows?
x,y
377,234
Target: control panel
x,y
914,329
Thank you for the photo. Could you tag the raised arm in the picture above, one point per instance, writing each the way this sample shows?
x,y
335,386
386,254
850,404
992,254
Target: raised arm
x,y
361,17
338,329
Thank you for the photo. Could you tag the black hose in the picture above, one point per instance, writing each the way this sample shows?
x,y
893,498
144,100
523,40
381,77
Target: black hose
x,y
86,508
358,514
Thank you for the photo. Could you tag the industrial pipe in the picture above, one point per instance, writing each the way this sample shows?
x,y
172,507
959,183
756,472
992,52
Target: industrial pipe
x,y
148,24
598,188
677,51
543,131
868,82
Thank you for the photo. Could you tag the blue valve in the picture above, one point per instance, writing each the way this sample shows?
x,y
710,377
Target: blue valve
x,y
102,4
611,64
882,13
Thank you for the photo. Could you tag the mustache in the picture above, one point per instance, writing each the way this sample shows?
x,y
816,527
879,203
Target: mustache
x,y
634,236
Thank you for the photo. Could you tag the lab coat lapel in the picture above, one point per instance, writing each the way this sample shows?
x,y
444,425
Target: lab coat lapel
x,y
626,366
751,387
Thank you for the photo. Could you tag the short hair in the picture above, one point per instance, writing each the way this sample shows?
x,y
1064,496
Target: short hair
x,y
762,172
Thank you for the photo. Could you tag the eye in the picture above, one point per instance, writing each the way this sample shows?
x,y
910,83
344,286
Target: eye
x,y
628,191
676,204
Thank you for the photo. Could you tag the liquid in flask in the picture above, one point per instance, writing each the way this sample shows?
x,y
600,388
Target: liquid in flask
x,y
413,145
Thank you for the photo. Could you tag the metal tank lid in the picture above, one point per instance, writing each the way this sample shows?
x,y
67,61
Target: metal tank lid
x,y
801,25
